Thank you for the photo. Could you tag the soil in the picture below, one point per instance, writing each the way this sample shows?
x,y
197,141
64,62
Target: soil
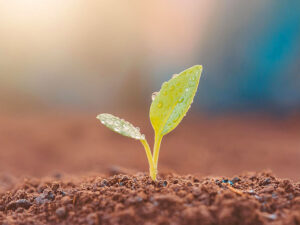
x,y
251,199
60,168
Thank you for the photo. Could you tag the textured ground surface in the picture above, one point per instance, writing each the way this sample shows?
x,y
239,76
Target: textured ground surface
x,y
122,199
51,166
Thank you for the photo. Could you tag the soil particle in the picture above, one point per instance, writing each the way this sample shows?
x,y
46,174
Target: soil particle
x,y
45,197
135,199
23,203
235,180
61,212
265,181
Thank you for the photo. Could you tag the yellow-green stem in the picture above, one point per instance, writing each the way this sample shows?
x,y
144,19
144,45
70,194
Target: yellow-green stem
x,y
152,168
156,148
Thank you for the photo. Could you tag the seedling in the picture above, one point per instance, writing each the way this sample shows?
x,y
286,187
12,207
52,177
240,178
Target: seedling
x,y
168,108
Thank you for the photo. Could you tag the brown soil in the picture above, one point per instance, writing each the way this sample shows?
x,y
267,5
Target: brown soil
x,y
51,166
122,199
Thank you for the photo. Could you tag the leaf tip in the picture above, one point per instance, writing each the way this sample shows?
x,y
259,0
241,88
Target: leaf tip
x,y
199,67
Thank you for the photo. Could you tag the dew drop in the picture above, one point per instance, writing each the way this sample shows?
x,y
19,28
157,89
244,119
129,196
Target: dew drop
x,y
176,118
154,94
187,89
191,84
175,75
181,99
164,85
160,104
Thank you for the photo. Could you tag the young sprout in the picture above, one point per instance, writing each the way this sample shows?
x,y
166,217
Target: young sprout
x,y
168,108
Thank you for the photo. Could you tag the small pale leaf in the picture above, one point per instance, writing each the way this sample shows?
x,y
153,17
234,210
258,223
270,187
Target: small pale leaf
x,y
174,99
120,126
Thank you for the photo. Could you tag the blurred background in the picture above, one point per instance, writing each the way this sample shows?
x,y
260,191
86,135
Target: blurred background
x,y
69,54
79,58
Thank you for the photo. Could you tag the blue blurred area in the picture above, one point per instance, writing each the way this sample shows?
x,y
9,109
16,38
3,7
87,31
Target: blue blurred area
x,y
258,66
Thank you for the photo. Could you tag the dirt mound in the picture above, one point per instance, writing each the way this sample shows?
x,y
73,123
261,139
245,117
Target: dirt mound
x,y
252,198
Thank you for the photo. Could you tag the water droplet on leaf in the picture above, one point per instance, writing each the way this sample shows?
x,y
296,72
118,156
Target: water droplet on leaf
x,y
176,118
181,99
154,94
164,85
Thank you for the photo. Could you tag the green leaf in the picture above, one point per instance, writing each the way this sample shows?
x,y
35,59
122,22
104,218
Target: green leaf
x,y
120,126
174,99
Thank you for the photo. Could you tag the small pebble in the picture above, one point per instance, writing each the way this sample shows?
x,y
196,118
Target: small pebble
x,y
165,183
272,216
226,181
235,179
251,192
196,180
23,203
103,183
125,178
55,186
265,182
61,212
